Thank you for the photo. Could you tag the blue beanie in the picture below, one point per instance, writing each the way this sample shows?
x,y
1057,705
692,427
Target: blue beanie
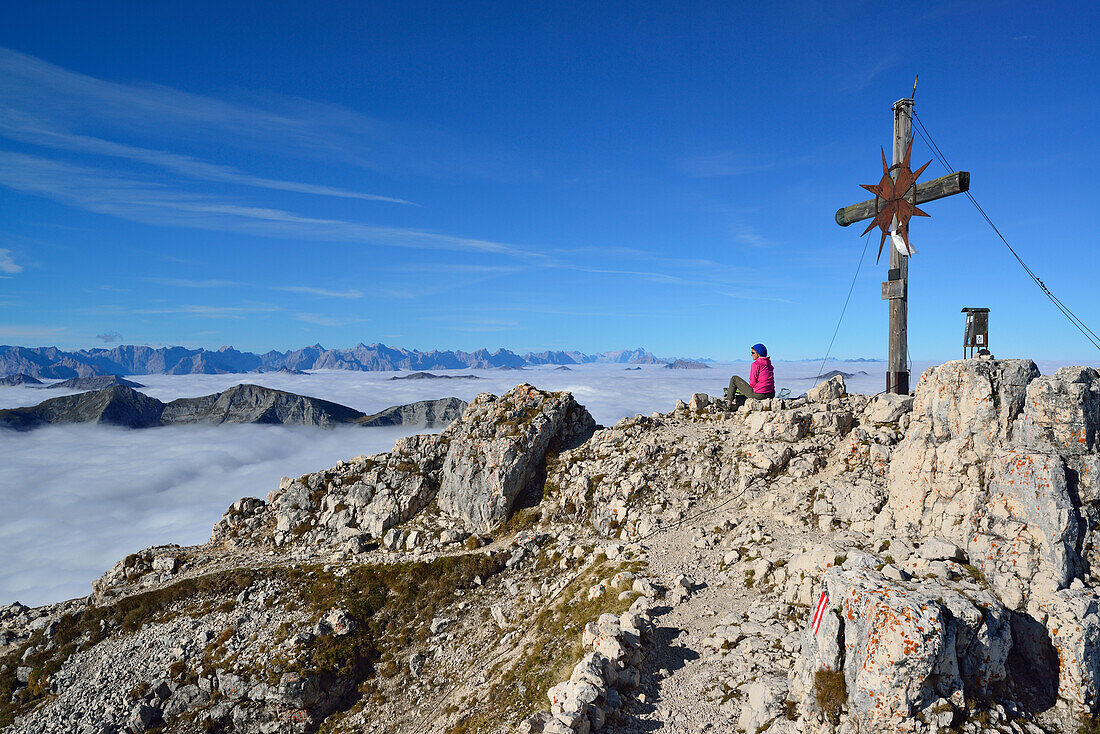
x,y
760,349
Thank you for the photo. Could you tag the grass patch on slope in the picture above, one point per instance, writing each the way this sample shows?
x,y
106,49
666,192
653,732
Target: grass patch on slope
x,y
546,654
392,606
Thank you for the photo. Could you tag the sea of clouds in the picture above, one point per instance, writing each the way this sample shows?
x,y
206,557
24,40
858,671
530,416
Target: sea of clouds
x,y
76,499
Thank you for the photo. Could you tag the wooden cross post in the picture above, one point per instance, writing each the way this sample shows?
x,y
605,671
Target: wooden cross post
x,y
896,288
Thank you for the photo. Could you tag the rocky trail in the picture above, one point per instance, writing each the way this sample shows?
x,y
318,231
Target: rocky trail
x,y
528,571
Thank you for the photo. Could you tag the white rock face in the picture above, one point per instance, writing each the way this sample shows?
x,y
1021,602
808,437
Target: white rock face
x,y
998,466
762,703
831,389
951,475
370,494
1026,532
497,447
984,466
1074,625
906,647
888,408
1062,413
938,549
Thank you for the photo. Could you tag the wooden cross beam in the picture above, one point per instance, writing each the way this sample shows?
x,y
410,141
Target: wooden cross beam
x,y
953,183
896,288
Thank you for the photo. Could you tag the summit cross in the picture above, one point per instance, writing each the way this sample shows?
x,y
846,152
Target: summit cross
x,y
896,199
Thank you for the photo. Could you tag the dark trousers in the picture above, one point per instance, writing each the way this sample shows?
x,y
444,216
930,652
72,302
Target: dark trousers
x,y
738,385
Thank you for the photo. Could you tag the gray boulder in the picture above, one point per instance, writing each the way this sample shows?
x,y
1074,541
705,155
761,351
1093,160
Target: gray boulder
x,y
831,389
498,447
142,718
889,408
297,691
904,648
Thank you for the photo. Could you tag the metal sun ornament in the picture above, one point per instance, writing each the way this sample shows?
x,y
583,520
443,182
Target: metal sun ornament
x,y
892,217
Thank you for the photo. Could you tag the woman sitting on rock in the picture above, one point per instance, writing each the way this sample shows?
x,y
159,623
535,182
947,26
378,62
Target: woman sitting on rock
x,y
761,382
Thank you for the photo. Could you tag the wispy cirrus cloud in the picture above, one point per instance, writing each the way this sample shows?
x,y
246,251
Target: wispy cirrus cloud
x,y
724,163
651,276
323,292
750,237
203,310
104,146
17,128
46,105
856,79
185,283
487,325
459,322
320,320
74,111
7,264
681,270
16,331
149,202
752,296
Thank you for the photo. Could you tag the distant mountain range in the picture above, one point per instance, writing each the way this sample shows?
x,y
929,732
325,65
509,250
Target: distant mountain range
x,y
54,363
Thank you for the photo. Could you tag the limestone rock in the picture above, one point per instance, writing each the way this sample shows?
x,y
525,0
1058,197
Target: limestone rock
x,y
1027,530
831,389
973,399
499,445
1062,413
1074,624
785,425
699,401
370,494
762,703
938,549
905,646
889,408
957,476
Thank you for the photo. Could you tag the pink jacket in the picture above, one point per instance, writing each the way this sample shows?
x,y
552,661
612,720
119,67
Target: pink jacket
x,y
761,375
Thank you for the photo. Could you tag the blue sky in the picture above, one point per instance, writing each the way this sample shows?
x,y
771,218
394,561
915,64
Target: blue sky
x,y
535,175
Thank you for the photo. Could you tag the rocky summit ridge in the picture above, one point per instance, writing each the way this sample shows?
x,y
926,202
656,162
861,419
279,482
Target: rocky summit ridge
x,y
831,563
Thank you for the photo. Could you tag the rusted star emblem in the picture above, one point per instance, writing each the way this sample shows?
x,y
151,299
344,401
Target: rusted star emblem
x,y
890,199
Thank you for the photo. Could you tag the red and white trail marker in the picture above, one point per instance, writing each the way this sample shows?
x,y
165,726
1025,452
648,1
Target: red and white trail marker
x,y
819,611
